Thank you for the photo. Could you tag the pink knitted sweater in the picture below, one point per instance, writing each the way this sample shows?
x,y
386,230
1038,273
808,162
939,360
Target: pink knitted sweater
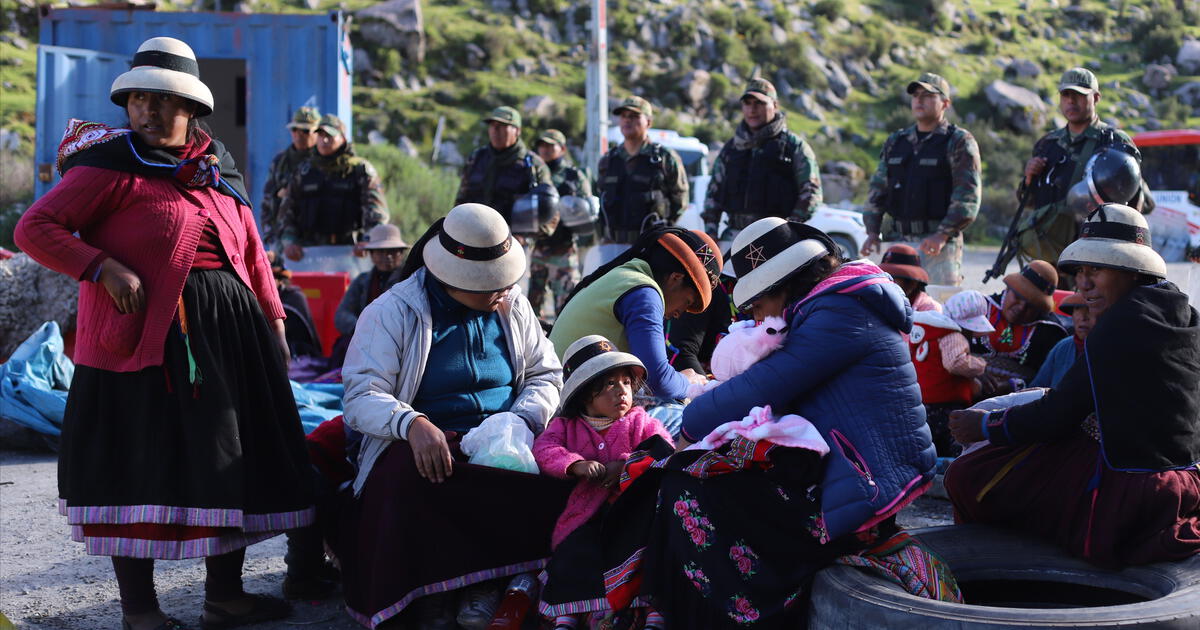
x,y
151,225
569,440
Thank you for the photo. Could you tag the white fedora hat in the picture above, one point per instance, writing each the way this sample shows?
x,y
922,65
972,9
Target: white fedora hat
x,y
164,65
771,250
1117,237
384,236
588,358
474,251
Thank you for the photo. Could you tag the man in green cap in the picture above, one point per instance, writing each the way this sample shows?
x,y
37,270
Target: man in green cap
x,y
764,171
641,182
304,137
928,181
503,169
1058,163
555,261
333,197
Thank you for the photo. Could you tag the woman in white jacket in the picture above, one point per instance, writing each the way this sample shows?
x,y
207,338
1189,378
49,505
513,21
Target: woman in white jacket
x,y
449,346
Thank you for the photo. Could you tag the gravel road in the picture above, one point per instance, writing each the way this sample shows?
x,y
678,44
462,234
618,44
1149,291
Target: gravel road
x,y
47,582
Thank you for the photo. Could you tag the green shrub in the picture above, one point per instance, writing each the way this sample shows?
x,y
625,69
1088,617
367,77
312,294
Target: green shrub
x,y
829,9
719,89
417,194
1160,42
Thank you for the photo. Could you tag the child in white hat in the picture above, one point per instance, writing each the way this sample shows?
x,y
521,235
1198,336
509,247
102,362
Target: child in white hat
x,y
590,441
946,369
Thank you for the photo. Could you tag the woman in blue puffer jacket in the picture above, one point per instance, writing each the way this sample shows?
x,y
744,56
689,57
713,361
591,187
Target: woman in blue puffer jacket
x,y
750,542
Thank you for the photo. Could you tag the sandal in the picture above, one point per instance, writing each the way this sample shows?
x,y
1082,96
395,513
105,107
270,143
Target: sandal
x,y
264,608
170,624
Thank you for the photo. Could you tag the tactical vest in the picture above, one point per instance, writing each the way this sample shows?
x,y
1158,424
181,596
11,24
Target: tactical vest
x,y
568,183
1052,185
631,192
919,182
760,182
329,205
512,181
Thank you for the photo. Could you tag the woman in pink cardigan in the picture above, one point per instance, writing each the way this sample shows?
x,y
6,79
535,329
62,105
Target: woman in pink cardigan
x,y
180,437
598,429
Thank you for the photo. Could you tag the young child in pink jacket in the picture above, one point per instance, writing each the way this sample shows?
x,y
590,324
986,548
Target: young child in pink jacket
x,y
597,430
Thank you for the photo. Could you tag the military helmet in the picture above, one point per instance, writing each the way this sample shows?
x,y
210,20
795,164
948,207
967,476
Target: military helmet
x,y
1111,176
536,212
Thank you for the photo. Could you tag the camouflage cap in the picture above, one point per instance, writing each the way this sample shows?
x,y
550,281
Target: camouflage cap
x,y
935,83
332,125
760,89
506,115
553,136
635,104
1079,80
305,118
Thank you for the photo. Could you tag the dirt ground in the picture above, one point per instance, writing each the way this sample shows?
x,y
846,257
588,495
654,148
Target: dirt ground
x,y
47,582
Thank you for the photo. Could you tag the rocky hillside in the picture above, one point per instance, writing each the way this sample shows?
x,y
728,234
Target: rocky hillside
x,y
840,65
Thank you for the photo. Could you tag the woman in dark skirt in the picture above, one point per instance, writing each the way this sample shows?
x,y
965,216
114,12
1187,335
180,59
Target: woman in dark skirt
x,y
449,346
731,537
1106,463
180,437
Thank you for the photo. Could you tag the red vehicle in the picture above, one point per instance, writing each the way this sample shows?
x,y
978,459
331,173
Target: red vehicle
x,y
1171,166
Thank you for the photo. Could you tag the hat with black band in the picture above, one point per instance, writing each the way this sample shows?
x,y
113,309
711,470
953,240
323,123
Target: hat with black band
x,y
475,251
770,251
1114,236
164,65
903,261
588,358
1035,283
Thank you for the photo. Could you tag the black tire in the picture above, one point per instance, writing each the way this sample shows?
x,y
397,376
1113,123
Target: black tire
x,y
846,244
1166,595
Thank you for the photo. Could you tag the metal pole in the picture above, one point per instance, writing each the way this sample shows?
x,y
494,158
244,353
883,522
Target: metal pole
x,y
597,88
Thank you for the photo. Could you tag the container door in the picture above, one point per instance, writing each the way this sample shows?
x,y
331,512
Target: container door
x,y
71,83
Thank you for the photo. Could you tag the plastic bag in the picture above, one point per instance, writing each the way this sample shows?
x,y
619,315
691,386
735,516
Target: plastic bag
x,y
502,440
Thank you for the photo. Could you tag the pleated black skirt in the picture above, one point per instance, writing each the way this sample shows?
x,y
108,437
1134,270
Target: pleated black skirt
x,y
199,456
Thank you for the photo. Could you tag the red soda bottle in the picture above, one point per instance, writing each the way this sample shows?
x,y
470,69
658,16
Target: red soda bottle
x,y
518,598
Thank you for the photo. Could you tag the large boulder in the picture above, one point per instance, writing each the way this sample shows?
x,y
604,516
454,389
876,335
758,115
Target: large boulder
x,y
1016,107
841,180
1023,69
539,106
1188,59
1158,76
1189,94
31,295
449,154
395,24
696,86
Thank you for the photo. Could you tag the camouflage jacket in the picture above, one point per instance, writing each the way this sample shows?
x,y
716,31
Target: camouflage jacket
x,y
675,180
805,172
963,154
342,166
1099,135
280,173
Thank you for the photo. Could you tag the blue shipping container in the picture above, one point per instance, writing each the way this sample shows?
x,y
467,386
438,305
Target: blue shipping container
x,y
260,68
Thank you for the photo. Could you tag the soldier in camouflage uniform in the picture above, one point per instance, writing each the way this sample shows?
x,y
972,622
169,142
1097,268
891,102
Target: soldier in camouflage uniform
x,y
928,181
304,137
503,169
555,260
333,197
1058,163
641,182
764,171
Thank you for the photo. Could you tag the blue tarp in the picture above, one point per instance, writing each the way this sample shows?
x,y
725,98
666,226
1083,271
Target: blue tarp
x,y
35,380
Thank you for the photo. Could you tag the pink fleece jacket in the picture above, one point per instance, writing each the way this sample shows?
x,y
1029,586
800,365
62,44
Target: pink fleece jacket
x,y
151,225
569,440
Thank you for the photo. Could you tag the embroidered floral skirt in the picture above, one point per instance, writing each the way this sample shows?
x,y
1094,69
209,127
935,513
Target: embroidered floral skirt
x,y
1063,492
170,462
405,537
718,539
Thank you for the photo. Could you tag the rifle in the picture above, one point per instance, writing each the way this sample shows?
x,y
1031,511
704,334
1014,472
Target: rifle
x,y
1009,248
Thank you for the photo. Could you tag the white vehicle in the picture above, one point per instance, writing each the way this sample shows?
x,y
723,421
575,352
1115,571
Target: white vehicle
x,y
845,227
1171,166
